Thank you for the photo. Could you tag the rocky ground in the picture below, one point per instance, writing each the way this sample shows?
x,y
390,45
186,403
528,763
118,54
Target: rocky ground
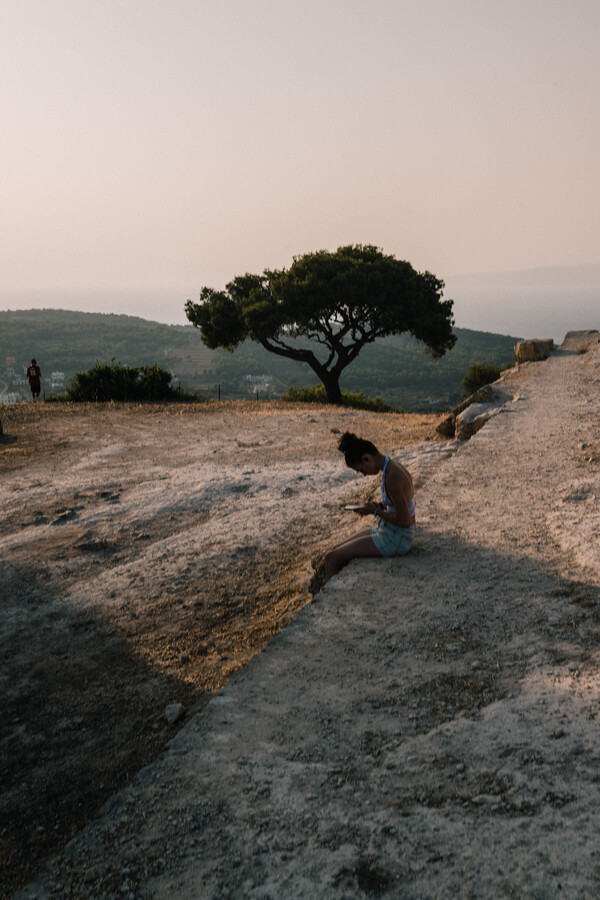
x,y
146,554
426,727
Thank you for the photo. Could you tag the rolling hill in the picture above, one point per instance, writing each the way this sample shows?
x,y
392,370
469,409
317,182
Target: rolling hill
x,y
394,368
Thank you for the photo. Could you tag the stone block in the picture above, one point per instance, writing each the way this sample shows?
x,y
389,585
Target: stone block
x,y
534,350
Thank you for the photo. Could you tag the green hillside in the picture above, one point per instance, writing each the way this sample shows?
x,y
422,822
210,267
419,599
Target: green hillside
x,y
69,342
395,368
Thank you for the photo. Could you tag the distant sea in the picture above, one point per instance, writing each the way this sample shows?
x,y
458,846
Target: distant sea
x,y
526,312
530,303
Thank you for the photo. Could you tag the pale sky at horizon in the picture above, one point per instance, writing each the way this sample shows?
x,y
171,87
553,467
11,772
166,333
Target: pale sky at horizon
x,y
149,144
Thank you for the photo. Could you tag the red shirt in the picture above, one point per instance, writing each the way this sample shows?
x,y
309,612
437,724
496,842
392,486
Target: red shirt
x,y
34,373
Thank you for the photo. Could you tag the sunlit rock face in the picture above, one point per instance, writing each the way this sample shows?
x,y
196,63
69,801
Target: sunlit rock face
x,y
533,351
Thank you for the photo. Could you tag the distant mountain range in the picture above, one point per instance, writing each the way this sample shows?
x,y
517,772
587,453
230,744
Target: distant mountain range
x,y
395,368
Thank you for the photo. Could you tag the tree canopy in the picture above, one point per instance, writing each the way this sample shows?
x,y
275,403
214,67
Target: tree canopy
x,y
339,300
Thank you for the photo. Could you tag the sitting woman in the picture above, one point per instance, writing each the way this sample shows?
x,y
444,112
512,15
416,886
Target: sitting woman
x,y
394,528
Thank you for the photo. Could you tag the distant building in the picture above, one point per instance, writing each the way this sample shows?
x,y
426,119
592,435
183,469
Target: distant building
x,y
10,398
259,379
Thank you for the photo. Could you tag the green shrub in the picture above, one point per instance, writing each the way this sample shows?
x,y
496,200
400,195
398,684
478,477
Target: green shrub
x,y
316,394
115,382
478,375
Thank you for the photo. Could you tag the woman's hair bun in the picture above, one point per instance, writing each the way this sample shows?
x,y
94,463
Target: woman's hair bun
x,y
354,447
346,441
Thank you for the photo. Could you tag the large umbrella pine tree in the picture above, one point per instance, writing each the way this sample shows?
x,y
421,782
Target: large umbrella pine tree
x,y
339,301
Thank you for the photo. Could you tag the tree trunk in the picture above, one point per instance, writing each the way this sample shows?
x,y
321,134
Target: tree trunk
x,y
331,380
332,388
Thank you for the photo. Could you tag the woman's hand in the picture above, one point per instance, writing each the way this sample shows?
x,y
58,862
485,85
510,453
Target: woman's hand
x,y
367,510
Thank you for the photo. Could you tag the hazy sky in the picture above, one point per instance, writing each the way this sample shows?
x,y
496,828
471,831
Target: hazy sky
x,y
151,144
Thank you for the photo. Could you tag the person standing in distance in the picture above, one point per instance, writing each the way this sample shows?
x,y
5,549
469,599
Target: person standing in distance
x,y
34,376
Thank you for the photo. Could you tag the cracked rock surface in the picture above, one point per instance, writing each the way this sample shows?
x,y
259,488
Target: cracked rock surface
x,y
428,726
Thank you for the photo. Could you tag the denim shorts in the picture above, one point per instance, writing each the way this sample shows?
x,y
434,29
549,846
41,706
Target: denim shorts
x,y
391,540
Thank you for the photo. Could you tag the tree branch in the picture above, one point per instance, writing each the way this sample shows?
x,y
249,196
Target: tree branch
x,y
297,353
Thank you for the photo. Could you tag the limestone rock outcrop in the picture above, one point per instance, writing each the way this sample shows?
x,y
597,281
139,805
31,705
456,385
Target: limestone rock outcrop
x,y
533,350
447,427
473,418
485,399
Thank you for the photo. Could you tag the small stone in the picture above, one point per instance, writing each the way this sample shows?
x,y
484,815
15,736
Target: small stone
x,y
65,516
173,712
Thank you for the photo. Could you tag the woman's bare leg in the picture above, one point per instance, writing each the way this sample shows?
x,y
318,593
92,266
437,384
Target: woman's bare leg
x,y
364,532
359,545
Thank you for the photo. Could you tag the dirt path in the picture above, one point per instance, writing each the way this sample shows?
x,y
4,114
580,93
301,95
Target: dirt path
x,y
146,554
428,726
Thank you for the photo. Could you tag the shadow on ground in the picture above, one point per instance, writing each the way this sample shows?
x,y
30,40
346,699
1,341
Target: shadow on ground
x,y
80,716
381,727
